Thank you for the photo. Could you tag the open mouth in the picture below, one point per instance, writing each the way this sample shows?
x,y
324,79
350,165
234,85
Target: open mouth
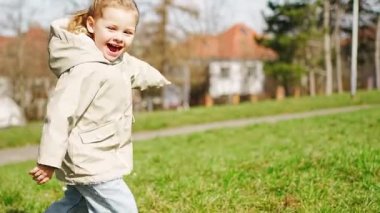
x,y
114,48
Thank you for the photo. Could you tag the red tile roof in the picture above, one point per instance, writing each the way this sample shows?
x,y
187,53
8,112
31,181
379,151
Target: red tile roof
x,y
37,33
238,42
33,35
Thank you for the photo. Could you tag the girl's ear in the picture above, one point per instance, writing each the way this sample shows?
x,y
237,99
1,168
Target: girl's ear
x,y
90,24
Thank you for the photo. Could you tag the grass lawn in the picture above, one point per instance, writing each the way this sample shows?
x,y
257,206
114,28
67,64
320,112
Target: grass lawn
x,y
322,164
30,134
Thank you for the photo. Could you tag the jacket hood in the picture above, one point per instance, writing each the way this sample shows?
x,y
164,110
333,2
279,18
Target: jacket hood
x,y
67,49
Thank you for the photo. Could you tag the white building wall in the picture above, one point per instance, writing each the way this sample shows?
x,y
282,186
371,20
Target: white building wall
x,y
239,81
253,83
222,85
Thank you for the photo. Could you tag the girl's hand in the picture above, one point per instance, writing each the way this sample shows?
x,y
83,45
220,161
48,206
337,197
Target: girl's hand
x,y
42,173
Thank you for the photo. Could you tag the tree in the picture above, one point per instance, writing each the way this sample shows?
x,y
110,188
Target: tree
x,y
377,53
371,9
23,60
337,15
292,26
15,61
338,7
159,36
327,46
156,41
354,47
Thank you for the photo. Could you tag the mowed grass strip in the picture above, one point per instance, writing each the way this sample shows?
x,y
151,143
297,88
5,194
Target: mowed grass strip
x,y
322,164
145,121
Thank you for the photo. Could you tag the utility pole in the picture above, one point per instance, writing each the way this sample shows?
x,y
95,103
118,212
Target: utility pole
x,y
354,53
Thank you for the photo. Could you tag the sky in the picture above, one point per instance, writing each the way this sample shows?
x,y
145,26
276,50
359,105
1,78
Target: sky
x,y
233,11
249,12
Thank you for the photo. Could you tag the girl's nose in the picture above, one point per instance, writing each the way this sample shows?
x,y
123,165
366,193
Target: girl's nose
x,y
118,37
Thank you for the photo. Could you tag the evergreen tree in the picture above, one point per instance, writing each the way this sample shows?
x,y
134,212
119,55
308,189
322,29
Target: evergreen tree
x,y
294,35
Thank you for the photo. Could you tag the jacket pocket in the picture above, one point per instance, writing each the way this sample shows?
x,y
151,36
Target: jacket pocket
x,y
99,134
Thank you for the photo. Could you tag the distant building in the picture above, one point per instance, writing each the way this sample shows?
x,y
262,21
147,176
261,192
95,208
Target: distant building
x,y
233,62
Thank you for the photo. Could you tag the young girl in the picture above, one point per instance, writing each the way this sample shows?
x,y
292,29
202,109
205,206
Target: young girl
x,y
86,137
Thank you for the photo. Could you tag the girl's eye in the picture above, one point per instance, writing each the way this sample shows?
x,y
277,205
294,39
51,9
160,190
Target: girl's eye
x,y
111,28
128,32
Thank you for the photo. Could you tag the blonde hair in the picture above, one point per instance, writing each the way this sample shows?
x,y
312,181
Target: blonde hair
x,y
77,24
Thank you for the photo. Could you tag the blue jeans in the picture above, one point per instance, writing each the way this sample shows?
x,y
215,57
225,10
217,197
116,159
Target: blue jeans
x,y
112,196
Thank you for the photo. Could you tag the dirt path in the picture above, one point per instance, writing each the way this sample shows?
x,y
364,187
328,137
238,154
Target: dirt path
x,y
15,155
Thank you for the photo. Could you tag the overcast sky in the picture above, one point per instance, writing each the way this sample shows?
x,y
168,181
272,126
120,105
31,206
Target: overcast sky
x,y
249,12
233,11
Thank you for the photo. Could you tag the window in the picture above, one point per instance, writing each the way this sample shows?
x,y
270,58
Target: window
x,y
224,72
251,72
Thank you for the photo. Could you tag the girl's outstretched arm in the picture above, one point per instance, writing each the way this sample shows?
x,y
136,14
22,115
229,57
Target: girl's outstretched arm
x,y
142,74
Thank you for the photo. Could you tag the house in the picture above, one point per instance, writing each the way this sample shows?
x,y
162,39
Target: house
x,y
233,61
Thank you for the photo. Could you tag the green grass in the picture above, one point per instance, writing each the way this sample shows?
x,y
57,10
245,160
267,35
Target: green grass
x,y
30,134
197,115
20,136
321,164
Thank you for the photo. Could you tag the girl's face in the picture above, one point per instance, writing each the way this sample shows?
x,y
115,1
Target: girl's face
x,y
113,33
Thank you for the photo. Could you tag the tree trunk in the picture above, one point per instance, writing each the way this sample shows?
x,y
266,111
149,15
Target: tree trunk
x,y
297,92
280,93
354,49
377,54
311,72
327,47
338,55
312,83
20,82
186,87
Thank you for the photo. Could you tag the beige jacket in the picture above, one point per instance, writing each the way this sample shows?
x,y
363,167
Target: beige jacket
x,y
87,131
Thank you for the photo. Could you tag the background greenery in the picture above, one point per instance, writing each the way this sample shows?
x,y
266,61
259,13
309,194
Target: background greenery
x,y
30,134
321,164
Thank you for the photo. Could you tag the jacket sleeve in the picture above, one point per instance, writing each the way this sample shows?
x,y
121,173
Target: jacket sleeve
x,y
142,74
74,90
